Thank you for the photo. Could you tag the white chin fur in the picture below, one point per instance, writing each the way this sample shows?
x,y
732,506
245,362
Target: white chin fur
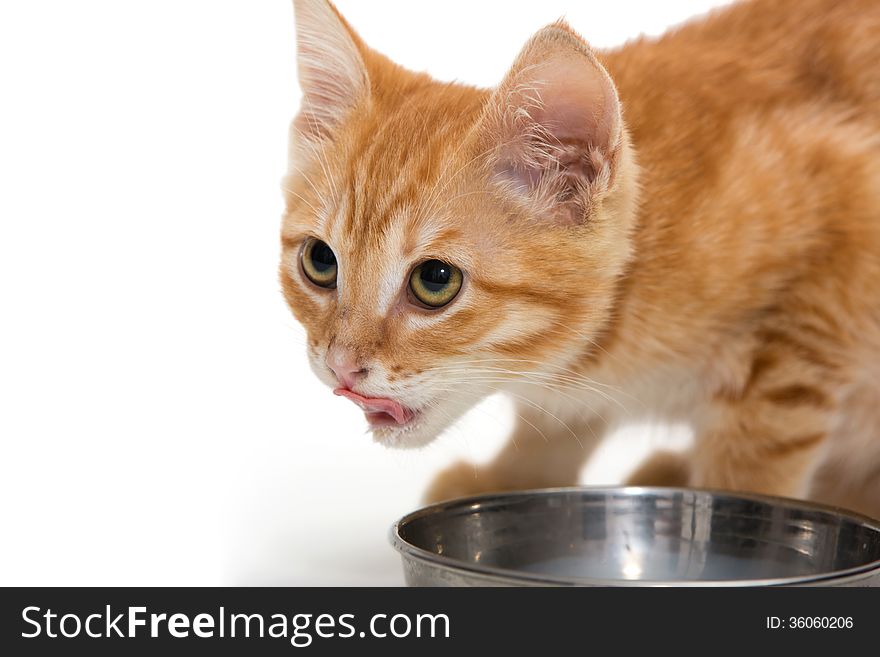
x,y
420,433
430,423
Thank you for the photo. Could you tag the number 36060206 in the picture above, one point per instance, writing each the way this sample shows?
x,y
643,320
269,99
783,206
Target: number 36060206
x,y
810,622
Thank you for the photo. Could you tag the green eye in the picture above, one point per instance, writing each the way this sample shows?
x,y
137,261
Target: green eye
x,y
435,283
319,263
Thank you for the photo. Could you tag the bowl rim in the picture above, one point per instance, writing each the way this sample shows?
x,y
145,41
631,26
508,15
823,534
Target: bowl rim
x,y
522,578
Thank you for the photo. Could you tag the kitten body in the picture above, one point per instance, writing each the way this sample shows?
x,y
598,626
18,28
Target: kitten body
x,y
684,228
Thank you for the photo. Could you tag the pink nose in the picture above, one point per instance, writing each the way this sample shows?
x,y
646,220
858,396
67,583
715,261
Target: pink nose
x,y
345,366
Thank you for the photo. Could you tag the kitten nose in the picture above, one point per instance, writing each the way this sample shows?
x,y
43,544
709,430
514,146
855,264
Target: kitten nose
x,y
345,366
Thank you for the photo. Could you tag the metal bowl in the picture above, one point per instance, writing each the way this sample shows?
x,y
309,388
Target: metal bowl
x,y
636,537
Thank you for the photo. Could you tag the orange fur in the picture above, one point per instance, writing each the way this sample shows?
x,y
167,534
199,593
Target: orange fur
x,y
706,249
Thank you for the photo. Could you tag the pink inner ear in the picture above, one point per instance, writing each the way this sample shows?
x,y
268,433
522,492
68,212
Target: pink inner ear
x,y
332,75
578,105
561,131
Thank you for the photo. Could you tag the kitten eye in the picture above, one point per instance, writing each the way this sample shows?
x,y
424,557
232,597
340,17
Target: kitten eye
x,y
435,283
319,263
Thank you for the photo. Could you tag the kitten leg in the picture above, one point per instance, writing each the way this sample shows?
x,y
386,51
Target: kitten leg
x,y
850,473
769,435
663,468
841,484
541,453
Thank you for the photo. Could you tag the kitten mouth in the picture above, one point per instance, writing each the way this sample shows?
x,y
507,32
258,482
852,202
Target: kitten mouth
x,y
378,411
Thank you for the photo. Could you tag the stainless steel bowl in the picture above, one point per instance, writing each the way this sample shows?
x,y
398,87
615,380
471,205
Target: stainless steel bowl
x,y
636,537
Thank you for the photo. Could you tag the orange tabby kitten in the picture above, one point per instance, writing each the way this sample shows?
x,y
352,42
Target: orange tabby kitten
x,y
684,228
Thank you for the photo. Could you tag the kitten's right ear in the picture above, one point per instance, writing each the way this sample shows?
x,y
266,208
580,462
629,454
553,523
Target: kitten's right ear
x,y
332,74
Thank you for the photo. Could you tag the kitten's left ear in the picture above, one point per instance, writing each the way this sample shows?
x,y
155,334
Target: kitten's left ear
x,y
554,127
332,74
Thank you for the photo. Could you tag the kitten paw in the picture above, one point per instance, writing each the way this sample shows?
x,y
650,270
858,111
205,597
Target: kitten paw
x,y
663,468
459,480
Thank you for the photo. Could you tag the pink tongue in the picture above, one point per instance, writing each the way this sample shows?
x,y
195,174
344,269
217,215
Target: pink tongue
x,y
400,414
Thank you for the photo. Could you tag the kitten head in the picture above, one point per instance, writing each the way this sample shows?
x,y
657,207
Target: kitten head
x,y
441,242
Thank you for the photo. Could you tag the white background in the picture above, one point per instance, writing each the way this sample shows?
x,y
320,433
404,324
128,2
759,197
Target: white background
x,y
158,421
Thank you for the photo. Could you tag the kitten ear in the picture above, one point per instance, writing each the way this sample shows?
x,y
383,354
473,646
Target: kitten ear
x,y
556,126
332,74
